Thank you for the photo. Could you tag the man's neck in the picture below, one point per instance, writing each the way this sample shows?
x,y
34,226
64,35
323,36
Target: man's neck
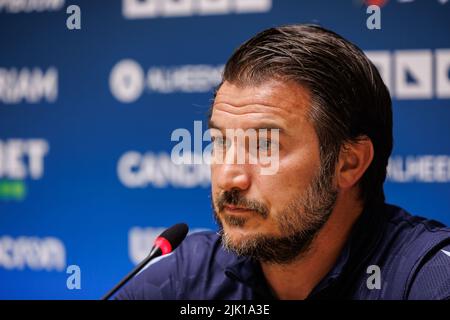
x,y
296,280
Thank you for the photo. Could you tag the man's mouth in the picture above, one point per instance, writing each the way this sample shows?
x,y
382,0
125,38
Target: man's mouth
x,y
236,209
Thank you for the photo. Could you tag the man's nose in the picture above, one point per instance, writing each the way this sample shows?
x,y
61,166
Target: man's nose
x,y
232,176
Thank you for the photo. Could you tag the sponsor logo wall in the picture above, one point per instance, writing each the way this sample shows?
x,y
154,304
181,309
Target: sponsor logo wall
x,y
86,117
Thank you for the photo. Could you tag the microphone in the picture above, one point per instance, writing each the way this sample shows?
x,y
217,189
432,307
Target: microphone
x,y
167,241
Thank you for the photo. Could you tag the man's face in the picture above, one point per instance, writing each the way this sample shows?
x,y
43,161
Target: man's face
x,y
273,217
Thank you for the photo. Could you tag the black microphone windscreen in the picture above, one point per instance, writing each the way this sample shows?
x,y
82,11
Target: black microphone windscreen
x,y
175,234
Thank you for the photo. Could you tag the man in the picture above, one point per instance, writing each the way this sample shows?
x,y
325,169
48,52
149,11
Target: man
x,y
318,227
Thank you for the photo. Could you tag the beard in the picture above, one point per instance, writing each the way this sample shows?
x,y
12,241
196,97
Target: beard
x,y
300,221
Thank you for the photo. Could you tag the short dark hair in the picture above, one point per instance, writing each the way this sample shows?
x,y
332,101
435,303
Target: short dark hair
x,y
349,100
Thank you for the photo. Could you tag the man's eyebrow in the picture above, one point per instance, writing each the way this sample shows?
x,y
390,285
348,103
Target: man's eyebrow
x,y
260,126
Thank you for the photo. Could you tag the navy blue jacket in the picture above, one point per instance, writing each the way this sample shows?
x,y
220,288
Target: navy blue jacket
x,y
413,255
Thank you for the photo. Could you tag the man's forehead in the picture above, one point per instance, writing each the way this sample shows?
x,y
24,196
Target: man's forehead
x,y
273,93
283,104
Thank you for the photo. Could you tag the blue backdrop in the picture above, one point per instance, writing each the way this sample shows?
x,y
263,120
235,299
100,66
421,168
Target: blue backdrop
x,y
86,118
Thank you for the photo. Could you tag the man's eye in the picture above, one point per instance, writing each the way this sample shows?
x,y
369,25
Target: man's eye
x,y
264,144
219,141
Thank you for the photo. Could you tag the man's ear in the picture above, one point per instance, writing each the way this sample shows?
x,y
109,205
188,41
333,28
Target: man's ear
x,y
354,159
